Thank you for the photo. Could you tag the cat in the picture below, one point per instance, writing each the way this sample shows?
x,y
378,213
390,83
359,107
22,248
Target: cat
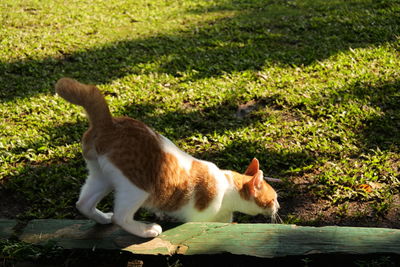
x,y
145,169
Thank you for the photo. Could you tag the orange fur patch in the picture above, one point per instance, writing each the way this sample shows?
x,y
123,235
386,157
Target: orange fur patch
x,y
205,189
265,196
240,181
177,187
130,145
173,188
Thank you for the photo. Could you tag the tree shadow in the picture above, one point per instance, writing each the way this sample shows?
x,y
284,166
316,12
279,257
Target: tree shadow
x,y
257,34
382,131
185,121
46,188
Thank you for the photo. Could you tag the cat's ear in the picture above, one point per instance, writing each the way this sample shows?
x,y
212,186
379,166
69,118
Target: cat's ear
x,y
255,183
253,168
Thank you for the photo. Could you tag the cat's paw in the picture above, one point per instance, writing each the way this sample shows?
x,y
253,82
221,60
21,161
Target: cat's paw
x,y
104,218
139,228
152,230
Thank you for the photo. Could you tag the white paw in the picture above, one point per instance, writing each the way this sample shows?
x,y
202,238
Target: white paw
x,y
104,218
152,230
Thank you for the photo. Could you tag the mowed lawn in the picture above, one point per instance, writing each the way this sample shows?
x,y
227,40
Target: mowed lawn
x,y
310,88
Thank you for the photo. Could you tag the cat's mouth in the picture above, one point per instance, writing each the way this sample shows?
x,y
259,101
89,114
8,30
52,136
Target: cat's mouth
x,y
273,213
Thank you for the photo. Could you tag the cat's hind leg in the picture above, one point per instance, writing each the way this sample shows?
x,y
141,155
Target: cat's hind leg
x,y
128,199
95,188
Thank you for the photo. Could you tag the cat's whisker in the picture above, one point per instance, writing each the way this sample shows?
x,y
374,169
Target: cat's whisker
x,y
272,217
279,218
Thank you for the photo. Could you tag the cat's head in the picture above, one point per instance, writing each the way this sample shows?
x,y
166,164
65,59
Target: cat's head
x,y
261,197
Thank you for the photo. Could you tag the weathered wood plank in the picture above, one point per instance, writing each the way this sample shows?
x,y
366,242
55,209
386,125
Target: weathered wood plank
x,y
269,240
6,228
79,234
260,240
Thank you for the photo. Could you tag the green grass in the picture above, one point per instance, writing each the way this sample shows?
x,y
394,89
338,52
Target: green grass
x,y
324,76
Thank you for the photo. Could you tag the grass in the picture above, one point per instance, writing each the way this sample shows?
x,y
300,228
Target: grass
x,y
323,78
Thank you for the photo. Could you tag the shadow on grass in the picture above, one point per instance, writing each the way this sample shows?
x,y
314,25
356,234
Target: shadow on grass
x,y
189,121
378,131
382,131
48,189
259,33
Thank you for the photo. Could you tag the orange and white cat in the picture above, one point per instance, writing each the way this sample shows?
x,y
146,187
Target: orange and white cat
x,y
145,169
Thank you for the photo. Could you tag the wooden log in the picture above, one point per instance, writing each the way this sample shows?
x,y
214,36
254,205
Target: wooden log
x,y
270,240
78,234
260,240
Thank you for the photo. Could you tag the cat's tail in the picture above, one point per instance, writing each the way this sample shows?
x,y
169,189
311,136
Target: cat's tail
x,y
87,96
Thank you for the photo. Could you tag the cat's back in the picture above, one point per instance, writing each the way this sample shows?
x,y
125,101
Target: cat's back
x,y
125,134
